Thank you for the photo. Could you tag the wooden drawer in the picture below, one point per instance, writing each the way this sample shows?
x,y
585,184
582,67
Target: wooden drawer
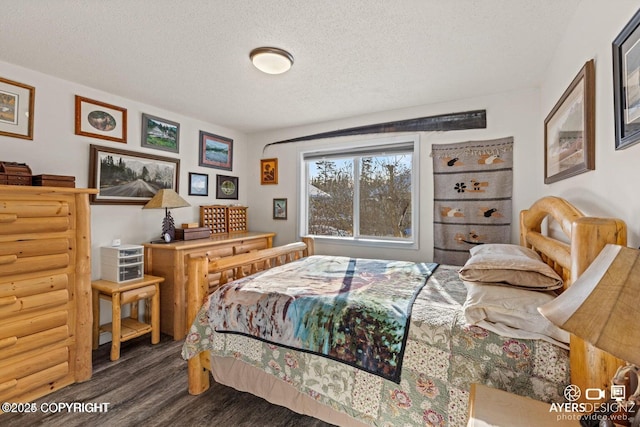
x,y
12,331
13,345
26,217
13,389
20,367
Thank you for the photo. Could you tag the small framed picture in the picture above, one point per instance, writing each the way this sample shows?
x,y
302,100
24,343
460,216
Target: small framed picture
x,y
215,151
198,184
569,129
160,134
100,120
16,109
268,171
626,85
279,208
226,187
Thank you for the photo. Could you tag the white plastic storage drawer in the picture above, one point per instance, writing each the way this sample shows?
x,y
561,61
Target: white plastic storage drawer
x,y
122,263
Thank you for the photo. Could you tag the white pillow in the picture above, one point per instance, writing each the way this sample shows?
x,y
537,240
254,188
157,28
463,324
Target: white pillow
x,y
511,312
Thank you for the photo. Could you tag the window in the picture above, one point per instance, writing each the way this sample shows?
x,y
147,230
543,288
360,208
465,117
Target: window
x,y
367,193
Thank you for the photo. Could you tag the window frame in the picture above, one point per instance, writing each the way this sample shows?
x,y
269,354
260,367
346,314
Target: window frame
x,y
354,149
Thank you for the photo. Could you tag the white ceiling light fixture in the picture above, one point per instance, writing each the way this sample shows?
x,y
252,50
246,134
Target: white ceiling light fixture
x,y
271,60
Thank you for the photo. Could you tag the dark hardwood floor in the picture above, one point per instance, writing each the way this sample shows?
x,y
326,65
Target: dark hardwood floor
x,y
148,386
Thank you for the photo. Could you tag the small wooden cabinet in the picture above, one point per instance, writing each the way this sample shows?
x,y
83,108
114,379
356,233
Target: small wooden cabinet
x,y
45,290
169,260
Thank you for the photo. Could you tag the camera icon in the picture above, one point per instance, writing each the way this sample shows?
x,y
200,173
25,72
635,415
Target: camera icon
x,y
594,394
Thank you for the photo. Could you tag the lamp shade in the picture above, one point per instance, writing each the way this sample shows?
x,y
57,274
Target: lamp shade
x,y
271,60
166,198
603,305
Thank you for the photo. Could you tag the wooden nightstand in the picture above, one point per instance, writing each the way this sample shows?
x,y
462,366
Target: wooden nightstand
x,y
130,327
492,407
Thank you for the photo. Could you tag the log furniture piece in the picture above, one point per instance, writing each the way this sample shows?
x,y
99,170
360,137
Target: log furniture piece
x,y
492,407
120,294
45,290
590,367
586,237
169,260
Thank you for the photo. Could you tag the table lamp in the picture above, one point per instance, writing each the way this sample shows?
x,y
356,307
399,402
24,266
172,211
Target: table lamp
x,y
167,199
602,307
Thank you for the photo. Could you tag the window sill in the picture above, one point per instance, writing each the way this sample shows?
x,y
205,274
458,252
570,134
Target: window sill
x,y
366,242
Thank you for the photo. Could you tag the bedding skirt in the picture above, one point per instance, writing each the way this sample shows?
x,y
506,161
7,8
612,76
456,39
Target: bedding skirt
x,y
443,356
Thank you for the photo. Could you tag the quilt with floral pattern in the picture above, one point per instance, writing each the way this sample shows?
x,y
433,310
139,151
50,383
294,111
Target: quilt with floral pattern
x,y
353,310
442,357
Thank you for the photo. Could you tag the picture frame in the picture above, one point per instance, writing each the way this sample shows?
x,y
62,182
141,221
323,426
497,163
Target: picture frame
x,y
215,151
279,208
198,184
569,129
626,85
100,120
17,102
268,171
226,187
160,134
128,177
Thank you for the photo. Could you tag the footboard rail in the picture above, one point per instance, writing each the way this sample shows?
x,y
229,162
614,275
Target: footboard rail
x,y
200,268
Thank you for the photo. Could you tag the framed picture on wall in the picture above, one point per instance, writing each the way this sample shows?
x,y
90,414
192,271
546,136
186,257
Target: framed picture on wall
x,y
569,129
279,208
127,177
160,134
268,171
226,187
626,84
215,151
16,109
100,120
198,184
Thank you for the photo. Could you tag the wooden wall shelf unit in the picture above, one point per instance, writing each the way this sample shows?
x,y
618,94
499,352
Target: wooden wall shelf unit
x,y
45,290
169,260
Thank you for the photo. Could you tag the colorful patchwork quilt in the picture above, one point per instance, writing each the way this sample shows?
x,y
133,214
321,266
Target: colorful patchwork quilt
x,y
442,357
352,310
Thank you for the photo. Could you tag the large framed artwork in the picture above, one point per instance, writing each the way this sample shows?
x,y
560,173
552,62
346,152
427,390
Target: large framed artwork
x,y
16,109
569,129
160,134
626,84
100,120
215,151
127,177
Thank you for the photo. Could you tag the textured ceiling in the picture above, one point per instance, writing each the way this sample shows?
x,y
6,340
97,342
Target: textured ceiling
x,y
351,57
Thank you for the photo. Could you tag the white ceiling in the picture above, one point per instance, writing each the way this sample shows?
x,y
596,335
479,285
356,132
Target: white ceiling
x,y
352,57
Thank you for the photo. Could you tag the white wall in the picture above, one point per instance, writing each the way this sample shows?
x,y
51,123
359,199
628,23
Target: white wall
x,y
612,188
56,149
508,114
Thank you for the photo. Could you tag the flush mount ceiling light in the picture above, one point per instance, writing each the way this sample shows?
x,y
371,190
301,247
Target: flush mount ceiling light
x,y
271,60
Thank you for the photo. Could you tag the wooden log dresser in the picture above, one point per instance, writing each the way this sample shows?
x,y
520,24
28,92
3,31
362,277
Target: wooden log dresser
x,y
169,260
45,290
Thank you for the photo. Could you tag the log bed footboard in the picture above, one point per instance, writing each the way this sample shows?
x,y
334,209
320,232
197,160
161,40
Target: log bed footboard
x,y
201,268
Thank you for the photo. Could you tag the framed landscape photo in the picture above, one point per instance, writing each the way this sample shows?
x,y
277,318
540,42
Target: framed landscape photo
x,y
127,177
100,120
279,208
226,187
569,129
215,151
626,84
16,109
268,171
198,184
160,134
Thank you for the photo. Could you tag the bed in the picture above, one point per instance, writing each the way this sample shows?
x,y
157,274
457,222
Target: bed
x,y
442,353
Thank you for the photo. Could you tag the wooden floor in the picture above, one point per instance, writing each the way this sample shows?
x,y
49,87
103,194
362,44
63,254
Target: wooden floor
x,y
148,386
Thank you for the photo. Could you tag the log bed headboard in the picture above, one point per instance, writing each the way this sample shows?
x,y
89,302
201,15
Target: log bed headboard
x,y
585,238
